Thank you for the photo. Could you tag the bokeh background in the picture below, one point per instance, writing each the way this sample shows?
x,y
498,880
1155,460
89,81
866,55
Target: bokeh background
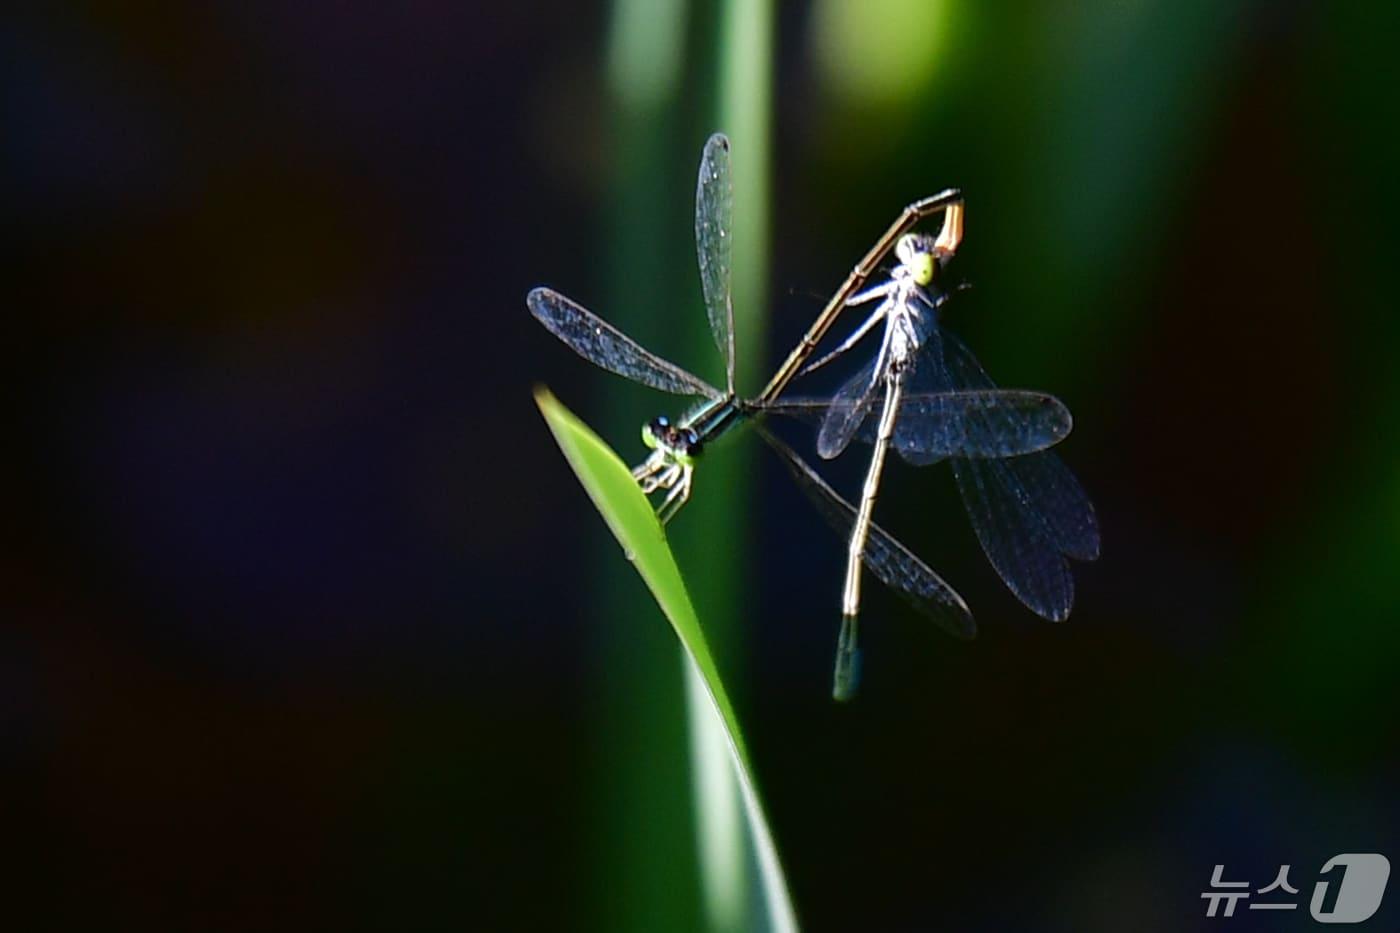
x,y
310,627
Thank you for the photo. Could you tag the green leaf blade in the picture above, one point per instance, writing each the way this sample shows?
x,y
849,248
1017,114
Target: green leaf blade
x,y
629,516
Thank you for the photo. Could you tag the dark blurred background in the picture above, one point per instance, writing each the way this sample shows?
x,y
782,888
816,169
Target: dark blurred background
x,y
311,627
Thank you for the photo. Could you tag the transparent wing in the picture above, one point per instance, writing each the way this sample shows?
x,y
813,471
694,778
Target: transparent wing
x,y
1029,513
932,426
714,211
973,420
848,409
1039,482
887,560
600,343
1064,506
988,424
1014,538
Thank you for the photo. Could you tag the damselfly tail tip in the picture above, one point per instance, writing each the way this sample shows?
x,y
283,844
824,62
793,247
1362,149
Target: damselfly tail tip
x,y
846,679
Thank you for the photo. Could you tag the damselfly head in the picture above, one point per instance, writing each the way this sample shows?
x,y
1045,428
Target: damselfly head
x,y
682,444
917,254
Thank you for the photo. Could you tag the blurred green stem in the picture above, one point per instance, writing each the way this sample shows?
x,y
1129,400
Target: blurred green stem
x,y
743,78
638,855
647,267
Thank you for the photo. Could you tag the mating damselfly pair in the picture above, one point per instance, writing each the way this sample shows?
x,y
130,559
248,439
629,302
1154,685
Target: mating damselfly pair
x,y
924,394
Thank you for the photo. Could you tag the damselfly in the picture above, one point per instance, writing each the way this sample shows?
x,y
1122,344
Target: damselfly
x,y
1029,512
943,424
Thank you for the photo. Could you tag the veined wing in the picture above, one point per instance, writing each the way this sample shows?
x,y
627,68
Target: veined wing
x,y
1040,481
978,421
848,409
887,560
714,244
932,426
1029,513
600,343
1015,537
992,423
1061,502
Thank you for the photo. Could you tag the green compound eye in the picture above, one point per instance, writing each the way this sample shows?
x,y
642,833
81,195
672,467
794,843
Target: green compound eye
x,y
923,268
916,254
